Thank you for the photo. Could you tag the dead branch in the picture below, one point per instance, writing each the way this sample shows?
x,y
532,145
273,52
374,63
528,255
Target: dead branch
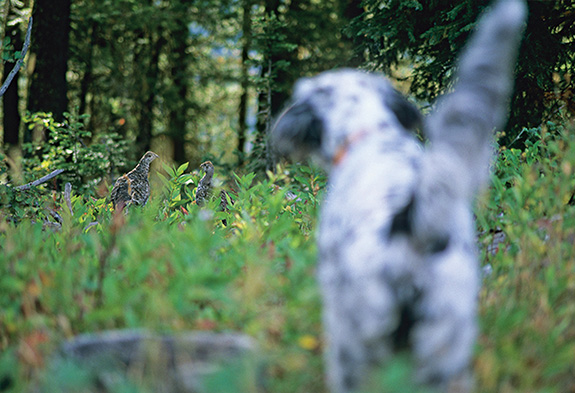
x,y
90,225
67,197
40,180
20,60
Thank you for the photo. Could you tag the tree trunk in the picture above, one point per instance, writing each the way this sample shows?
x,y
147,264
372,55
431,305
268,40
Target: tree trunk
x,y
88,70
50,43
177,129
11,99
149,89
350,10
272,98
245,82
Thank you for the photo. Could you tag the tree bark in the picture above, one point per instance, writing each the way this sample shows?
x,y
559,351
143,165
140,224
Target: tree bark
x,y
177,129
88,70
272,98
149,89
11,99
351,9
245,82
50,42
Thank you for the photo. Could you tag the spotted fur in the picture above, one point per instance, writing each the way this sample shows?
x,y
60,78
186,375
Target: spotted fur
x,y
397,260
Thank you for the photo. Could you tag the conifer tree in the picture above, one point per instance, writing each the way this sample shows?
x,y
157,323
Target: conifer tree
x,y
428,34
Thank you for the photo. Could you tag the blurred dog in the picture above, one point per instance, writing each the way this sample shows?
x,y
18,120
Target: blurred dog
x,y
397,259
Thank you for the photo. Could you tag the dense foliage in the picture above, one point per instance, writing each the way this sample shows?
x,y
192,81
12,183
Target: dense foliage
x,y
427,35
171,267
526,307
198,80
203,79
85,164
192,80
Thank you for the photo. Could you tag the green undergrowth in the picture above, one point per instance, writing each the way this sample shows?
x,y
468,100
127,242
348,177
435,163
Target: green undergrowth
x,y
527,305
168,267
172,267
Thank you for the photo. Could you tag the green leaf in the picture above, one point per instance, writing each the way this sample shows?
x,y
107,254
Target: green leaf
x,y
182,168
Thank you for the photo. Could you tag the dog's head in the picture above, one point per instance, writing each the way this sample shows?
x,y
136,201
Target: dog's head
x,y
332,109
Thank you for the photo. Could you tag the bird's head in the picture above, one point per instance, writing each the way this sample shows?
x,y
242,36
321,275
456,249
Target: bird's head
x,y
207,166
149,157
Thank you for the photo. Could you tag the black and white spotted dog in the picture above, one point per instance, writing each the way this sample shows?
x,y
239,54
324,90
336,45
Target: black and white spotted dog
x,y
398,265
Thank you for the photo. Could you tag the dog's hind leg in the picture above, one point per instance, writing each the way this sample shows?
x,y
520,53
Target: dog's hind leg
x,y
346,360
358,329
442,339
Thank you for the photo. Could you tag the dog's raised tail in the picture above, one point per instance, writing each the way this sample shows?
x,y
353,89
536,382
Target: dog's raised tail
x,y
464,120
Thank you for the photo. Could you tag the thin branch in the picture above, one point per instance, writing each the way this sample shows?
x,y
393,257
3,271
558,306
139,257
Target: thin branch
x,y
67,197
7,5
102,264
90,225
40,181
20,60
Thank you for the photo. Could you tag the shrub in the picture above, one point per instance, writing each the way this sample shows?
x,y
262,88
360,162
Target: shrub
x,y
68,147
166,272
526,306
172,266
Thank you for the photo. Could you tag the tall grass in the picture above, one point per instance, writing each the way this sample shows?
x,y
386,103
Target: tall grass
x,y
170,267
527,306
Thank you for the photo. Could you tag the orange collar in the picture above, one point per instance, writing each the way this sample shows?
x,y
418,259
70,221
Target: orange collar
x,y
342,150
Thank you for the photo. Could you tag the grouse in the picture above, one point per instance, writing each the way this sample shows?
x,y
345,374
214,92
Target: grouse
x,y
133,187
204,190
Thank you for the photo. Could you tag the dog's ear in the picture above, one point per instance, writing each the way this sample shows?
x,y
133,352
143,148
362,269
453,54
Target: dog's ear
x,y
407,113
297,131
